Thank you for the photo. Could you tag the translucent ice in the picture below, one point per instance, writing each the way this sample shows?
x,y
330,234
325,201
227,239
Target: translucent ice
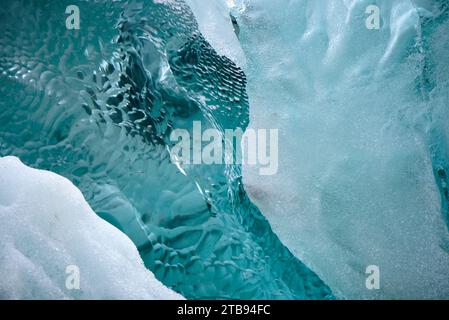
x,y
215,24
97,106
48,234
363,159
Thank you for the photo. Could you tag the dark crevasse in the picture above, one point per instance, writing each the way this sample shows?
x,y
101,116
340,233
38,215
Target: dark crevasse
x,y
97,105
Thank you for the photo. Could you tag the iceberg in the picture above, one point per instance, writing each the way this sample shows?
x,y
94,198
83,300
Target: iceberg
x,y
363,147
48,231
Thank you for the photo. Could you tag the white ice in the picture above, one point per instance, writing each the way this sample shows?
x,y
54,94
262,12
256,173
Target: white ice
x,y
48,233
215,25
355,186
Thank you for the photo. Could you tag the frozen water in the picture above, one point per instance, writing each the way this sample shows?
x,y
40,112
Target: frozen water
x,y
215,24
363,148
46,227
363,139
97,106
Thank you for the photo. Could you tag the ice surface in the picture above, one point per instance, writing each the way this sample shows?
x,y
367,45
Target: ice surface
x,y
97,106
363,139
215,24
46,227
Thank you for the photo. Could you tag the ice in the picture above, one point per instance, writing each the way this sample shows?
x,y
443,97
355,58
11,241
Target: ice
x,y
215,24
363,139
98,105
47,228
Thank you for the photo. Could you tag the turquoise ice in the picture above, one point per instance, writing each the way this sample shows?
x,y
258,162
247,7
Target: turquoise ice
x,y
97,105
363,148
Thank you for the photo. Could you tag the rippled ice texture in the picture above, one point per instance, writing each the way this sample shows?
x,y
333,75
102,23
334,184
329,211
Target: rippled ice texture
x,y
97,106
363,119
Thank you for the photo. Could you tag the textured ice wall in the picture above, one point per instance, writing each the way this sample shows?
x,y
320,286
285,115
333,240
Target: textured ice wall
x,y
363,140
97,106
46,226
215,24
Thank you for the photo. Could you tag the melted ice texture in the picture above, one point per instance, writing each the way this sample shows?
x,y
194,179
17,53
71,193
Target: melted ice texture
x,y
216,26
363,147
47,226
97,106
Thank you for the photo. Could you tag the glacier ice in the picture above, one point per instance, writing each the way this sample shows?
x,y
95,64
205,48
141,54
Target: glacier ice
x,y
362,116
363,149
97,106
215,24
46,228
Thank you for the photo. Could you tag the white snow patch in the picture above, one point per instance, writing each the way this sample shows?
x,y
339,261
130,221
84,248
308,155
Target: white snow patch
x,y
46,226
